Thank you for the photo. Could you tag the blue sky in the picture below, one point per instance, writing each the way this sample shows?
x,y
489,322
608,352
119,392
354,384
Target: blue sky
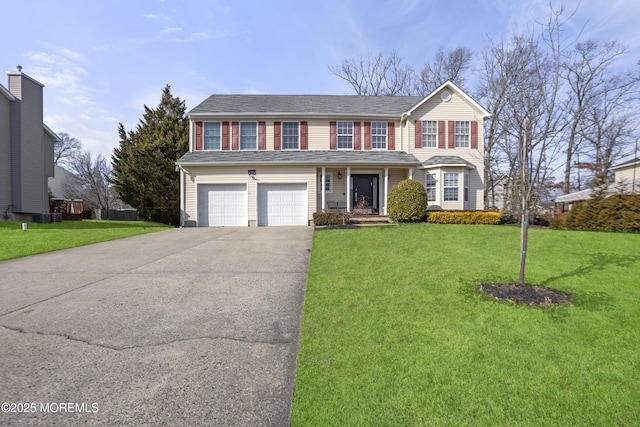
x,y
101,61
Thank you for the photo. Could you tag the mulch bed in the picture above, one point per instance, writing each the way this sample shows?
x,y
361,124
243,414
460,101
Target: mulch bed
x,y
525,294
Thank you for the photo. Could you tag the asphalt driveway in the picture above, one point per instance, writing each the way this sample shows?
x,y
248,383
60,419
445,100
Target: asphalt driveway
x,y
180,327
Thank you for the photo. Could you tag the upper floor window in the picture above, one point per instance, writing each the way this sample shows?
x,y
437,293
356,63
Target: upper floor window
x,y
450,187
290,136
431,184
463,134
345,134
211,135
379,135
248,135
430,133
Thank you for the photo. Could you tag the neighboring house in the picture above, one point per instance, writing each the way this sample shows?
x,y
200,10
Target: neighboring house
x,y
277,159
627,175
64,184
26,150
626,180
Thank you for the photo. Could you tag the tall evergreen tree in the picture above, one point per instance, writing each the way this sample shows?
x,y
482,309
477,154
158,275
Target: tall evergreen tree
x,y
144,163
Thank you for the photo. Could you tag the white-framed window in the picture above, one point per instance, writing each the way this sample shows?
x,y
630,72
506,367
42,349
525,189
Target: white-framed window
x,y
466,187
328,183
345,135
248,135
430,134
379,135
211,135
431,185
463,134
450,186
290,135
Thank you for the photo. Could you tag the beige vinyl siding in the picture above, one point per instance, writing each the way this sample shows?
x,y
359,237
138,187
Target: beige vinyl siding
x,y
338,194
238,174
318,132
626,174
436,109
395,176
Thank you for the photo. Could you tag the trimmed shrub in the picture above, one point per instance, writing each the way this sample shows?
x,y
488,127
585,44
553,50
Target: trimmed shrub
x,y
618,212
407,202
463,217
331,218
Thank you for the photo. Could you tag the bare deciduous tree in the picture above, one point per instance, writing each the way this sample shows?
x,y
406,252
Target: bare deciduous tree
x,y
65,149
609,125
587,71
376,74
93,174
452,65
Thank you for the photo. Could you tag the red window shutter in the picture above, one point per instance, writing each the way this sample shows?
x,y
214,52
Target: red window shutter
x,y
198,136
277,138
304,139
418,133
452,134
333,136
357,138
225,135
367,135
234,135
474,134
441,136
262,136
391,136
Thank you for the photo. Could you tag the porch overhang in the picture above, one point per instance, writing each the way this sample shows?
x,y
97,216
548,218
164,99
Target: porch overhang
x,y
436,162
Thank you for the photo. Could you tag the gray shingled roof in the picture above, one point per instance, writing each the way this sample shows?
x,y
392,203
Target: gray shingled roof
x,y
333,157
309,105
627,163
447,160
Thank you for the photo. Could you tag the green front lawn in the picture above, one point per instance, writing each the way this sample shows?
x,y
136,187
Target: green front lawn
x,y
395,332
40,238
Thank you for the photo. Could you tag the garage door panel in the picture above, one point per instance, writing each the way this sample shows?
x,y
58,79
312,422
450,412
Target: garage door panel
x,y
222,205
282,204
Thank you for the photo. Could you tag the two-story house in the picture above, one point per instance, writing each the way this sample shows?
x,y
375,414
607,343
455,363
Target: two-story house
x,y
277,159
26,150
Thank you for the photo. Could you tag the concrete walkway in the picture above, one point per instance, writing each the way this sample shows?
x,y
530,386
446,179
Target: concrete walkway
x,y
181,327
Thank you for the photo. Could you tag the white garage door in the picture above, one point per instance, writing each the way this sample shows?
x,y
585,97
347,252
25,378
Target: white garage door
x,y
282,204
222,205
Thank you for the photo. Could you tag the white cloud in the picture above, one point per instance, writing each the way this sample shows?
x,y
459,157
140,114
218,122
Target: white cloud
x,y
171,30
156,17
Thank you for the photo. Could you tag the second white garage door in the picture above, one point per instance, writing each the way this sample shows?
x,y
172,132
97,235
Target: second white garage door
x,y
282,204
222,205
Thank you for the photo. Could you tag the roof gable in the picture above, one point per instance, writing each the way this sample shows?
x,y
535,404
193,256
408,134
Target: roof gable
x,y
451,86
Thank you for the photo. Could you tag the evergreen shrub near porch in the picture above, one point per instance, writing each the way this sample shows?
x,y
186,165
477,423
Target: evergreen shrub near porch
x,y
407,202
331,218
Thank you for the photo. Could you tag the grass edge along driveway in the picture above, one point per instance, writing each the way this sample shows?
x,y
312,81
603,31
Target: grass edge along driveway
x,y
40,238
394,330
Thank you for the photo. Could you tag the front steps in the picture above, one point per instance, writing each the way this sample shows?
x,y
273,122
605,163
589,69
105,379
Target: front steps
x,y
370,220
